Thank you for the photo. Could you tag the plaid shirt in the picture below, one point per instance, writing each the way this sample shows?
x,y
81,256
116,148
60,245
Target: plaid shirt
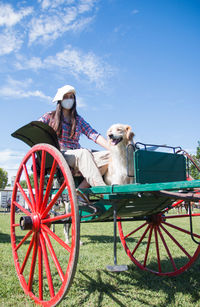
x,y
82,127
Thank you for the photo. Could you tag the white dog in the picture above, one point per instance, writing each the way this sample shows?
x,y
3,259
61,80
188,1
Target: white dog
x,y
119,136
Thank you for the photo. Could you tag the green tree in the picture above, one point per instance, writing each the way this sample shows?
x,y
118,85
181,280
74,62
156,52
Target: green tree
x,y
193,170
3,178
24,184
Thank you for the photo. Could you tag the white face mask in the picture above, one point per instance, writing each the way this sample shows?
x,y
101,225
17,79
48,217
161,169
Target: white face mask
x,y
67,103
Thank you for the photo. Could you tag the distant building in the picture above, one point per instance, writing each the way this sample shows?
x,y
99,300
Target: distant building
x,y
6,197
13,181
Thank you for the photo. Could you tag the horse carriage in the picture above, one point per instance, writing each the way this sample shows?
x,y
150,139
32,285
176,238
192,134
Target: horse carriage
x,y
154,236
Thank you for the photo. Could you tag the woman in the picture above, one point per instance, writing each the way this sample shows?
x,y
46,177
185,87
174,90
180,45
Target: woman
x,y
69,125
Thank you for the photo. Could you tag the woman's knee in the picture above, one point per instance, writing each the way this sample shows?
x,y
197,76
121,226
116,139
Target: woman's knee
x,y
85,153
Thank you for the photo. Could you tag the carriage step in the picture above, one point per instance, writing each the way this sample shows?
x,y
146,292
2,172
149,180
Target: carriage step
x,y
117,268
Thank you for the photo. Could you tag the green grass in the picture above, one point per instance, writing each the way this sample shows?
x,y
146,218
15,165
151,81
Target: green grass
x,y
93,285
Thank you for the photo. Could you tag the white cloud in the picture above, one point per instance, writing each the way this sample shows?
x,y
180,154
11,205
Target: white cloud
x,y
10,38
45,29
10,155
46,4
34,63
134,12
80,102
79,63
9,17
62,17
75,62
86,5
82,5
9,41
48,23
81,24
51,21
10,161
20,89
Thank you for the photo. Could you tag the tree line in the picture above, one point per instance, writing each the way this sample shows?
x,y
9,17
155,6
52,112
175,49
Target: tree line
x,y
193,170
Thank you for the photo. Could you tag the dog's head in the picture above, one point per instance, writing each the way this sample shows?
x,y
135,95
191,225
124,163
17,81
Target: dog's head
x,y
119,133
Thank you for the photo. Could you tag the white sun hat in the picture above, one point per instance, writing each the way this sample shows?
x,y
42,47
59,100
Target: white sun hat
x,y
62,91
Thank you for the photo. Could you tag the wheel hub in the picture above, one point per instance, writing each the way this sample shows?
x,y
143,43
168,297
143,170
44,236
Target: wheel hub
x,y
30,222
155,220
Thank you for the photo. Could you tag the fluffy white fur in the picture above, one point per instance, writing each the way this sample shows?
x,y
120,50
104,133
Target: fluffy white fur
x,y
119,136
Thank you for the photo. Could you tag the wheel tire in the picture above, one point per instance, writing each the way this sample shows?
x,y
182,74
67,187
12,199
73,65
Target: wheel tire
x,y
45,264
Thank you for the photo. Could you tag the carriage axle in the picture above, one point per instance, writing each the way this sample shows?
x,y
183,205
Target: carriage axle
x,y
26,223
30,222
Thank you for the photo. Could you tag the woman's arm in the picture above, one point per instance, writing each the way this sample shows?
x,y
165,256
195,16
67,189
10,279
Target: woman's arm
x,y
92,134
102,142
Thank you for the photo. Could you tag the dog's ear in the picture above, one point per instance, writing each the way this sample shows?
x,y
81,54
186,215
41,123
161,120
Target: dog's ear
x,y
129,133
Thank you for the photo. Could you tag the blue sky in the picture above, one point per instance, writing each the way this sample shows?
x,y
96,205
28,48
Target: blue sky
x,y
131,61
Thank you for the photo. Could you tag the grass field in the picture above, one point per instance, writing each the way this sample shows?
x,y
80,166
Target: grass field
x,y
93,285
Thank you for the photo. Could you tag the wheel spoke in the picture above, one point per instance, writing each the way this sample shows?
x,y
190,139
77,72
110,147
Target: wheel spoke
x,y
15,225
181,216
181,229
49,185
53,255
33,262
40,271
167,249
25,196
23,240
54,200
172,206
42,176
148,245
47,267
27,254
175,241
29,189
141,239
35,177
129,234
56,218
22,208
177,203
157,249
55,237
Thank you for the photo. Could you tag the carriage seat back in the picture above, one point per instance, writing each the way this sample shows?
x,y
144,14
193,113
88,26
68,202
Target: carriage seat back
x,y
38,132
153,166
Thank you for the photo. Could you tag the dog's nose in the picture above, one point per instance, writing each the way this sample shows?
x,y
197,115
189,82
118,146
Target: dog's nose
x,y
111,136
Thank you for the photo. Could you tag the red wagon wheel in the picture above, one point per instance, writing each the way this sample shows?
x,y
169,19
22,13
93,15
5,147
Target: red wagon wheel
x,y
45,264
162,243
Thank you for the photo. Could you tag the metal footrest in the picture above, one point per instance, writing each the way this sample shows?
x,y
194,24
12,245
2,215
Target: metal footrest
x,y
117,268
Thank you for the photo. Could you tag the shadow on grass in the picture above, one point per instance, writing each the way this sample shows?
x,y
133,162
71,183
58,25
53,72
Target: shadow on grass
x,y
140,287
4,238
104,288
187,283
102,239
